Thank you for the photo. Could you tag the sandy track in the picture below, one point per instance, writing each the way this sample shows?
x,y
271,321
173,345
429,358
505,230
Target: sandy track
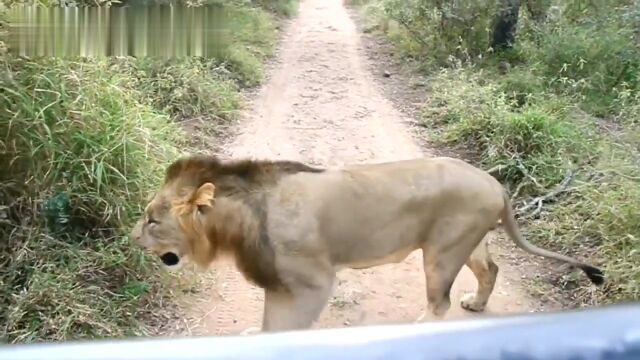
x,y
322,105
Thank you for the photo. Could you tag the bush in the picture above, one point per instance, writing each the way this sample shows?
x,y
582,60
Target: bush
x,y
583,50
245,59
281,7
522,87
439,30
601,217
82,143
80,153
535,145
590,62
184,88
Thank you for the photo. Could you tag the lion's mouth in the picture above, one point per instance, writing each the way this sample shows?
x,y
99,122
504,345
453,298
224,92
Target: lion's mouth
x,y
170,259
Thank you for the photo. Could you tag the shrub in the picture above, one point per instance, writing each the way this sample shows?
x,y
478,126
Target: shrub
x,y
184,88
591,63
441,30
534,145
281,7
80,153
522,87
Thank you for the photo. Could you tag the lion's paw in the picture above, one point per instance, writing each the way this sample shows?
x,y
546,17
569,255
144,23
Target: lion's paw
x,y
250,331
469,302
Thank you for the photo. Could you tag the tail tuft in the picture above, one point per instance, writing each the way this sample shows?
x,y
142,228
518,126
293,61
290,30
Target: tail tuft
x,y
593,273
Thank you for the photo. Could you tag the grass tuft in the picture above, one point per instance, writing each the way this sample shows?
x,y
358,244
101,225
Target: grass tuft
x,y
81,153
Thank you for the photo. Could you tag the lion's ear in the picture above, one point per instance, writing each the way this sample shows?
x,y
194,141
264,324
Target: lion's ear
x,y
203,197
199,200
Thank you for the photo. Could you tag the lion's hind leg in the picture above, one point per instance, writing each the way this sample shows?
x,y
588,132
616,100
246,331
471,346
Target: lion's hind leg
x,y
486,273
442,261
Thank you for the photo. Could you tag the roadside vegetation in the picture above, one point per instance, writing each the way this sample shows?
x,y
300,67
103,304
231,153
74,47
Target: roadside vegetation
x,y
82,143
551,109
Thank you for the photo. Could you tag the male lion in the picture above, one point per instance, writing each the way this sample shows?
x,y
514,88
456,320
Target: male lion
x,y
290,227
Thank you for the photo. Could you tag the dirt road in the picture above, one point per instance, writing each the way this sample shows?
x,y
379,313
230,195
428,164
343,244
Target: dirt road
x,y
323,106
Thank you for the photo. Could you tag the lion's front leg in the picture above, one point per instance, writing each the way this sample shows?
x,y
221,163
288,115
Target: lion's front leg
x,y
296,309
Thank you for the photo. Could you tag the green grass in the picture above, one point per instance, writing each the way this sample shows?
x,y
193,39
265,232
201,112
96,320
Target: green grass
x,y
80,154
245,59
287,8
82,143
602,221
568,101
591,63
534,144
184,88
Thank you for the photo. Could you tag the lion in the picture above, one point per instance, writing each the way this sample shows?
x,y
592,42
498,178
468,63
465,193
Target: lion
x,y
290,227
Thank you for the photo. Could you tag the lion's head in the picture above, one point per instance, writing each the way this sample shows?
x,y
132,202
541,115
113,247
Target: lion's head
x,y
174,225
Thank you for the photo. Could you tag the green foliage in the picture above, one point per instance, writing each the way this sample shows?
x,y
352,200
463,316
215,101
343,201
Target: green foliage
x,y
184,88
82,151
601,216
443,30
244,60
592,63
82,142
522,87
586,50
281,7
535,145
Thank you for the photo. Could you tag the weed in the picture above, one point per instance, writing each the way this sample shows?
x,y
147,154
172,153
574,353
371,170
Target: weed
x,y
78,144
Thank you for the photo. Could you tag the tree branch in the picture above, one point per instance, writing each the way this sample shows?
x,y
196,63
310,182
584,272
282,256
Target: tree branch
x,y
539,201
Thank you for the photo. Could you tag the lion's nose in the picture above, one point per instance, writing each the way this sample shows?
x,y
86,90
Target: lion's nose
x,y
170,259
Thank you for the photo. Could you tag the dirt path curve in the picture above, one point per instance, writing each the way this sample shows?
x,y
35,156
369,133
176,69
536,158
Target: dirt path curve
x,y
321,105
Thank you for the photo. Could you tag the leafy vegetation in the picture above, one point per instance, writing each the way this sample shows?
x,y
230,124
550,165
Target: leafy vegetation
x,y
562,100
82,142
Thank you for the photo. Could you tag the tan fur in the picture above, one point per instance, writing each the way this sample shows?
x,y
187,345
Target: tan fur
x,y
290,227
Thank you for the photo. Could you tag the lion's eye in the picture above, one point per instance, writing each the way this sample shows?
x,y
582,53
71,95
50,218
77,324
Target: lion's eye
x,y
151,221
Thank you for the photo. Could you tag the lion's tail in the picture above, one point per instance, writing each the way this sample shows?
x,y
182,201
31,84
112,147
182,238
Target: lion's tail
x,y
511,227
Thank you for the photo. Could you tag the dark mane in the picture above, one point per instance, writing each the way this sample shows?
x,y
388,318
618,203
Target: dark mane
x,y
232,176
244,180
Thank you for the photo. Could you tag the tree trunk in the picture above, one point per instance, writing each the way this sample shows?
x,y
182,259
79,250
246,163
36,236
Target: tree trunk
x,y
504,32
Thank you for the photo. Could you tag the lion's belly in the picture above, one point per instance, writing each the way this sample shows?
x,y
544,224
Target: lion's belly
x,y
367,262
361,241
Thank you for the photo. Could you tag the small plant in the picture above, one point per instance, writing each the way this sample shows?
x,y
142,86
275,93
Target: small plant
x,y
522,87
